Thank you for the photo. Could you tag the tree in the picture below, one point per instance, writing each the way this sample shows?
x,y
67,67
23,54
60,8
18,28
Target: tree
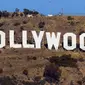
x,y
26,11
5,14
16,10
0,14
35,13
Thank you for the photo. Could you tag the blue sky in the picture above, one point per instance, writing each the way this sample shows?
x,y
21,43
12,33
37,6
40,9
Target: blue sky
x,y
46,6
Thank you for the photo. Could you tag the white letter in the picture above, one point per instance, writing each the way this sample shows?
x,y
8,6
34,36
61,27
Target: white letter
x,y
53,40
24,40
37,38
65,41
12,44
2,39
82,41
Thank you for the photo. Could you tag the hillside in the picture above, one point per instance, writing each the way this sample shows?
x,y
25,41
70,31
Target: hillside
x,y
32,66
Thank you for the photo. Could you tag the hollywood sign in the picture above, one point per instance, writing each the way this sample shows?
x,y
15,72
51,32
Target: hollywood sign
x,y
53,39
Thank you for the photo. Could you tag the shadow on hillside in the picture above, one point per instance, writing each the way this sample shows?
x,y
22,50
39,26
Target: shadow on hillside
x,y
64,60
6,80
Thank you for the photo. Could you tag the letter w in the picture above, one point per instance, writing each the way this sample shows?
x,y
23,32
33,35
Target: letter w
x,y
53,40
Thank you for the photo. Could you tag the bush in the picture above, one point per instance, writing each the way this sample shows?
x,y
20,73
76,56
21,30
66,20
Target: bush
x,y
34,58
72,23
41,24
25,72
70,18
24,22
1,24
27,11
21,14
1,70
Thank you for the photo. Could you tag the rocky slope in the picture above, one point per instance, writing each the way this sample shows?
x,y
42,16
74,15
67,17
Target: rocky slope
x,y
41,67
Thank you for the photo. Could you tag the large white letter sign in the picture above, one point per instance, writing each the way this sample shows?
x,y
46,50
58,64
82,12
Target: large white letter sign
x,y
53,40
82,41
24,40
38,38
65,41
11,37
2,39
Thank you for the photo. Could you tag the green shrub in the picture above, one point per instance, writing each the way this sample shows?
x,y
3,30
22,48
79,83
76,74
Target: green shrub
x,y
72,23
25,22
70,18
1,24
25,72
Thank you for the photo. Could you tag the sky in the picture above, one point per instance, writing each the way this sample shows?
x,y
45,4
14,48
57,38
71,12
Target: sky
x,y
45,6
